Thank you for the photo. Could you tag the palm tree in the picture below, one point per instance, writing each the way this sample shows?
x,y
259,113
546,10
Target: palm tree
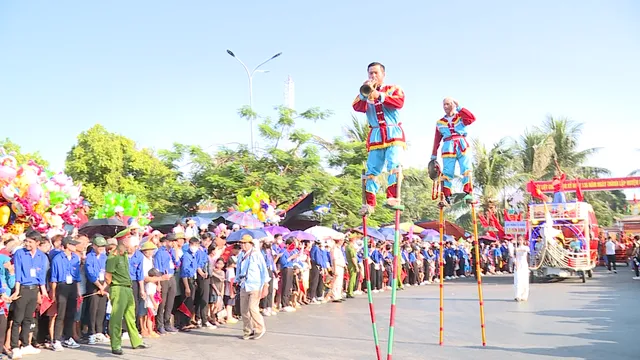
x,y
536,151
358,131
566,134
494,170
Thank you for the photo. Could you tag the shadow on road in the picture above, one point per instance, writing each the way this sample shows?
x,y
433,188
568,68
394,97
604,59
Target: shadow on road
x,y
611,311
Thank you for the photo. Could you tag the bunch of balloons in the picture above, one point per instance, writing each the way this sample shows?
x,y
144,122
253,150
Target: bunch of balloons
x,y
31,196
133,208
259,205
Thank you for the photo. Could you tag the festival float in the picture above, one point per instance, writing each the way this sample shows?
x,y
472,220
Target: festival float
x,y
563,240
33,197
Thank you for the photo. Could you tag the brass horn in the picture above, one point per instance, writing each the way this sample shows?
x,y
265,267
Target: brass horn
x,y
367,89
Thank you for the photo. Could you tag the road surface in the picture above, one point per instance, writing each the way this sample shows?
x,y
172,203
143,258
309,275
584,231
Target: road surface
x,y
561,320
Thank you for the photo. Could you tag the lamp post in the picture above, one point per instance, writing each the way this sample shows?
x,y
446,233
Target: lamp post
x,y
250,76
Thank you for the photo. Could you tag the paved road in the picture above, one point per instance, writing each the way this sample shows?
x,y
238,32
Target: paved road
x,y
562,320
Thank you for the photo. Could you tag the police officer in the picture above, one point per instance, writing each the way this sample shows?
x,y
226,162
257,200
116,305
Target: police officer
x,y
30,267
65,287
122,300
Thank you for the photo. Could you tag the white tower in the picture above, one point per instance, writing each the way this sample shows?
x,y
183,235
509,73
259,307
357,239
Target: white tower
x,y
289,93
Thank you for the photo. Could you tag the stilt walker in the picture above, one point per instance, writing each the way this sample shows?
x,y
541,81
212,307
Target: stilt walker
x,y
396,270
385,143
367,272
451,130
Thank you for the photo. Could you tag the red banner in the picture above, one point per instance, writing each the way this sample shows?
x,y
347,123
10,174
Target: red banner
x,y
593,184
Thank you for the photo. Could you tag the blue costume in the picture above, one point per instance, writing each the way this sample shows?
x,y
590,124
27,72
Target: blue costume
x,y
386,138
452,131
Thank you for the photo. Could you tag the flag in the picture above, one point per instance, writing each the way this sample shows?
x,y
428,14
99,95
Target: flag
x,y
323,209
535,191
579,195
46,304
185,310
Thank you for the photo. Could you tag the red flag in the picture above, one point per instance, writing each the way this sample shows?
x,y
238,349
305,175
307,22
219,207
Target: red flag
x,y
185,310
46,304
579,195
535,191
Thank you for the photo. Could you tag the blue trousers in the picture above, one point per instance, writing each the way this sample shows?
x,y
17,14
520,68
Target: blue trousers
x,y
456,151
378,161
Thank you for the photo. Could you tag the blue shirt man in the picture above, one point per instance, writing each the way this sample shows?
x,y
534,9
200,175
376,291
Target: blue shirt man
x,y
30,266
253,277
65,280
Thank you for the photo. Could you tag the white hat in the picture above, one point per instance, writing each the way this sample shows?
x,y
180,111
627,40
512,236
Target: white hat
x,y
118,209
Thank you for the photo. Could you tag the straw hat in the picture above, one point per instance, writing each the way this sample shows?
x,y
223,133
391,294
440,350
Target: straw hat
x,y
148,246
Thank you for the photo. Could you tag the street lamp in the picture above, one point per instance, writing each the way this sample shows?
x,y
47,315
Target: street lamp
x,y
250,76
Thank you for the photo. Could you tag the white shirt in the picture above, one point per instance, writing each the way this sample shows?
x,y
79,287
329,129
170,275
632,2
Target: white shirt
x,y
150,289
147,264
611,247
512,249
338,257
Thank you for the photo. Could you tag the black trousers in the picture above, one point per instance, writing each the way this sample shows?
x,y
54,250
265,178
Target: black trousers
x,y
163,318
611,260
181,318
316,286
449,267
3,328
286,283
67,300
373,276
267,301
97,310
135,288
203,290
23,309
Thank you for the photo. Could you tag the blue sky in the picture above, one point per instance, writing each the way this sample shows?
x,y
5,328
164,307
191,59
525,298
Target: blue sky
x,y
158,72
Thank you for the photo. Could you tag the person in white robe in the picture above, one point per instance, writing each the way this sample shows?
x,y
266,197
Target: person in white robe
x,y
521,273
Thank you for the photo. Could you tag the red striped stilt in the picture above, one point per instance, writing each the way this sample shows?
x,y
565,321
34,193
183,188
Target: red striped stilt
x,y
367,274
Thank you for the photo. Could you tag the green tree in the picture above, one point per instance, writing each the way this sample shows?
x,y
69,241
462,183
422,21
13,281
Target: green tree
x,y
104,161
22,158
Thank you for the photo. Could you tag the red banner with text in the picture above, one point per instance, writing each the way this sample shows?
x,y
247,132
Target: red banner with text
x,y
593,184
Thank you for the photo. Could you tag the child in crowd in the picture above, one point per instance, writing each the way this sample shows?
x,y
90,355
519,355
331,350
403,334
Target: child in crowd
x,y
217,290
229,290
152,289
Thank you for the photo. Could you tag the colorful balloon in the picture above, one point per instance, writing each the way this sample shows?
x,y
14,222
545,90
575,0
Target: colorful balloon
x,y
5,214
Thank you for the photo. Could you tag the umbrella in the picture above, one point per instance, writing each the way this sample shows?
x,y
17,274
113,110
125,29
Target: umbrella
x,y
254,233
488,238
449,228
430,232
372,233
389,233
323,232
406,226
243,219
199,220
106,227
300,235
275,230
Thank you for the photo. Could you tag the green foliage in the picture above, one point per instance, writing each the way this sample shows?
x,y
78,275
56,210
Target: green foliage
x,y
22,158
104,161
